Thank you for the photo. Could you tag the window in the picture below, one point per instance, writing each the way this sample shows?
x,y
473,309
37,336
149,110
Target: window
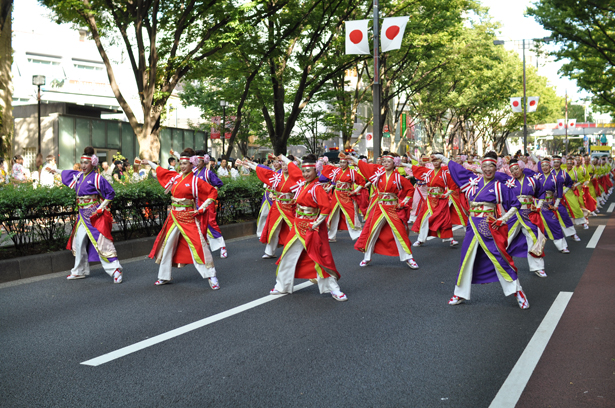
x,y
37,61
88,67
29,158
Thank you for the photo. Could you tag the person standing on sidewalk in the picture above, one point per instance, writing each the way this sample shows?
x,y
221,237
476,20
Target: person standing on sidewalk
x,y
307,254
90,239
181,241
484,258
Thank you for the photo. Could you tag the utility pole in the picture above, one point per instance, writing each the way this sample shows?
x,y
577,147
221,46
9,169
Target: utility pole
x,y
566,122
376,88
524,105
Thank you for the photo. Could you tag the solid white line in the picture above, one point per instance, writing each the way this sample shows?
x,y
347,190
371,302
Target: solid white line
x,y
611,207
105,358
511,390
596,237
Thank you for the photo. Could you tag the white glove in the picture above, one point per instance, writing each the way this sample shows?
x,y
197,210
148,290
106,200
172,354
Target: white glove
x,y
556,205
441,157
356,190
566,190
102,206
250,165
152,165
318,221
504,218
284,158
540,204
205,205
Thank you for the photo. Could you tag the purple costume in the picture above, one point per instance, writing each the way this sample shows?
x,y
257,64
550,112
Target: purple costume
x,y
550,218
214,234
564,181
483,254
90,188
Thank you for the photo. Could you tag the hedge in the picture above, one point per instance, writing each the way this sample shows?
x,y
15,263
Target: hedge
x,y
42,217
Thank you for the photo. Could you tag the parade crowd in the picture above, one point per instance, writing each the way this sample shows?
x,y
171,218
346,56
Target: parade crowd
x,y
509,207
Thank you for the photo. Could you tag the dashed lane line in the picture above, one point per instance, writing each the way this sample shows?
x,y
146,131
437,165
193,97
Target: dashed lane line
x,y
611,207
515,383
114,355
596,237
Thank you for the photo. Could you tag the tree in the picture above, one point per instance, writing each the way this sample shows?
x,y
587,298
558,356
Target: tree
x,y
6,82
164,40
584,31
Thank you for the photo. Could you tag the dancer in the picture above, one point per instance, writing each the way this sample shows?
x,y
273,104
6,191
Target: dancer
x,y
525,236
344,213
181,241
564,182
551,219
279,223
384,231
91,240
267,197
307,254
571,195
483,252
434,217
208,222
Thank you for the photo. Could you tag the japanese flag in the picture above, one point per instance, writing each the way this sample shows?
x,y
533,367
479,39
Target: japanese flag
x,y
561,124
356,37
515,104
532,103
392,33
572,123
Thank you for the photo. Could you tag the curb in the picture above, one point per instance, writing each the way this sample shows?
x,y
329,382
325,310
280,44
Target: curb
x,y
43,264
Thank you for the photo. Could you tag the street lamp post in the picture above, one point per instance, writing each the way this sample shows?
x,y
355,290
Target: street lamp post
x,y
224,104
39,80
499,42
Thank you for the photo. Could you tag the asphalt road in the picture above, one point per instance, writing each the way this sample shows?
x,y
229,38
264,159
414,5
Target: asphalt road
x,y
396,342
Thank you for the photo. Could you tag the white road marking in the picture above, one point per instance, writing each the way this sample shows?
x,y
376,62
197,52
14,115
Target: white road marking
x,y
105,358
596,237
515,383
611,207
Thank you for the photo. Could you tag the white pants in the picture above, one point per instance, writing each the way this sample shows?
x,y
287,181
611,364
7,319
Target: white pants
x,y
81,240
535,264
335,220
166,263
369,250
560,244
284,281
275,238
215,243
262,219
465,285
424,231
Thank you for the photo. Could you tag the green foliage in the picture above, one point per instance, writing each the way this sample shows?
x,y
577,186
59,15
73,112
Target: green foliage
x,y
239,199
43,217
584,32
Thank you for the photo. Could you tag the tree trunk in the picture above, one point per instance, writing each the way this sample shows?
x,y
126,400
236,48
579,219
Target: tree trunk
x,y
6,81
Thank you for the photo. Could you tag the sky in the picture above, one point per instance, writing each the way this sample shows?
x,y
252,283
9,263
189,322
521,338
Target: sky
x,y
516,26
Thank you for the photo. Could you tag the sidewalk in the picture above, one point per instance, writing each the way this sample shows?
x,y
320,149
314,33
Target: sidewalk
x,y
577,369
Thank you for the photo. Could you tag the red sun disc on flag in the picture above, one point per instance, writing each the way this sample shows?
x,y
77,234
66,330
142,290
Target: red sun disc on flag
x,y
560,124
515,103
571,124
356,36
532,102
392,32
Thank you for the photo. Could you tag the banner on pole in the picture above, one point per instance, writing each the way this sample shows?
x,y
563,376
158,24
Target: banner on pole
x,y
392,33
515,104
532,103
356,37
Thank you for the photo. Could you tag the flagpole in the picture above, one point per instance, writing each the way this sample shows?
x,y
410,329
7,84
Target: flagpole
x,y
376,88
566,122
524,105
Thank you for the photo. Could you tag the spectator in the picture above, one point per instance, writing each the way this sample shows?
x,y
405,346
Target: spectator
x,y
4,175
118,171
18,171
224,170
47,170
77,166
172,162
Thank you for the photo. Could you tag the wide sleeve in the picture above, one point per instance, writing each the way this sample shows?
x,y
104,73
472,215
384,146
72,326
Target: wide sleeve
x,y
214,180
105,189
69,176
460,174
206,191
407,190
294,171
329,171
367,169
358,178
322,200
264,174
164,176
